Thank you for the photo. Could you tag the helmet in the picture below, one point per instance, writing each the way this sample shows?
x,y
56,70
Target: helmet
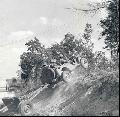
x,y
65,69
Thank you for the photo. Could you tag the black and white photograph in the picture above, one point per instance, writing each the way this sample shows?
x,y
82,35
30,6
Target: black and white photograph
x,y
59,57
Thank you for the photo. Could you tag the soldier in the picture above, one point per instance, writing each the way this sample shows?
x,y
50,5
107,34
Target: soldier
x,y
65,72
48,75
53,65
44,73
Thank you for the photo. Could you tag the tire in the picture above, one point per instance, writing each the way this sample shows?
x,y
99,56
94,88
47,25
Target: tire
x,y
84,63
25,108
48,75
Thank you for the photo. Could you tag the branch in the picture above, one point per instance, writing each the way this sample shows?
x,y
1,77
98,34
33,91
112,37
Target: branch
x,y
96,8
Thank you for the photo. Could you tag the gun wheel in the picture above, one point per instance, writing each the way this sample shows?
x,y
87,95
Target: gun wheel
x,y
26,108
84,63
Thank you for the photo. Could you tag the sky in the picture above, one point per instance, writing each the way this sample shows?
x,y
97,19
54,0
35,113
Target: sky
x,y
48,20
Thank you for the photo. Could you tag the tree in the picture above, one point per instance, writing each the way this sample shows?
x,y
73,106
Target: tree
x,y
87,36
110,24
34,46
31,59
100,60
68,44
110,27
28,62
56,51
64,49
70,48
93,8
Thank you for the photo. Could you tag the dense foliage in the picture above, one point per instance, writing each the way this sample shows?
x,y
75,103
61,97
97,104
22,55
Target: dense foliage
x,y
65,51
68,50
110,27
34,56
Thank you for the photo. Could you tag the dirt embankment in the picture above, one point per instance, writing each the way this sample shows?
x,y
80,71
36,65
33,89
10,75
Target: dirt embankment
x,y
92,94
86,93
